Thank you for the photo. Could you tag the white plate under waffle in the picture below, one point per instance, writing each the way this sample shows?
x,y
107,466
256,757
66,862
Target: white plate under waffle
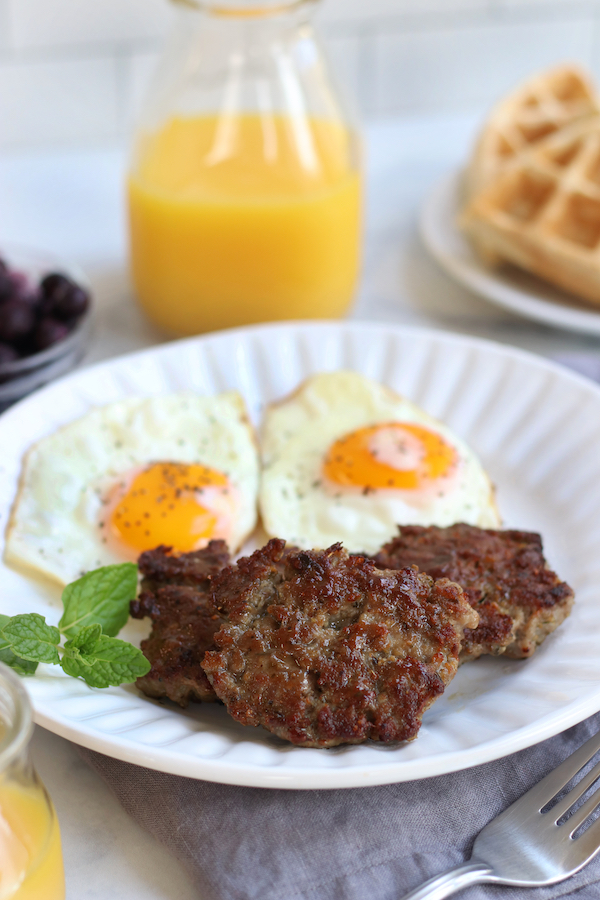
x,y
536,427
509,287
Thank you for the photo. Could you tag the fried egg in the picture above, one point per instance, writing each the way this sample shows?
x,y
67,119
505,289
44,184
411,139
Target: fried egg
x,y
176,470
346,459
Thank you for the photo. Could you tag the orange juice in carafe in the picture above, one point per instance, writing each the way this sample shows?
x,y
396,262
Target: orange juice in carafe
x,y
228,227
244,191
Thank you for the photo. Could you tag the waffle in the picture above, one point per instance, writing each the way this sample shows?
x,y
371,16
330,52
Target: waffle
x,y
543,212
541,106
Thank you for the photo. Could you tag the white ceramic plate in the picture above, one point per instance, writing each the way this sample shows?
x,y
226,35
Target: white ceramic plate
x,y
508,287
537,429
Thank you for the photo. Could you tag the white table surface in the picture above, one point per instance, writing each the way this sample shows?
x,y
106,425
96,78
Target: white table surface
x,y
71,203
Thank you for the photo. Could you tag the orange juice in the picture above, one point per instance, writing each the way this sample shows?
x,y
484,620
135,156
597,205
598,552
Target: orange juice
x,y
31,866
244,219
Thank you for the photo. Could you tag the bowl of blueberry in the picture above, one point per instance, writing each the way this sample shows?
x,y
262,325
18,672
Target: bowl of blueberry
x,y
45,321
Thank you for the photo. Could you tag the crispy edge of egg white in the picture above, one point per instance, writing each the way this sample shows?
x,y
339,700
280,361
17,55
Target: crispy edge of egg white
x,y
289,416
20,555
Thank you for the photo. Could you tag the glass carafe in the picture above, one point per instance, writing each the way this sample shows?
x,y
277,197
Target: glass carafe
x,y
245,179
31,866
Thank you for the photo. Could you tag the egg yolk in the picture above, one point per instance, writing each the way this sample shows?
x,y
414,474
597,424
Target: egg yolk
x,y
182,506
398,455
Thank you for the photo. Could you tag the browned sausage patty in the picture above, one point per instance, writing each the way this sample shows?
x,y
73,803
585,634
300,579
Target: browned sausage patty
x,y
160,566
323,648
504,575
176,596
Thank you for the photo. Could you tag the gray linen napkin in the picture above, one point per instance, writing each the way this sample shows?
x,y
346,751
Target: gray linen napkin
x,y
254,844
243,843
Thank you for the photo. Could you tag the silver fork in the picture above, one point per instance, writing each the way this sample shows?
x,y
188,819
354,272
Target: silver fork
x,y
527,847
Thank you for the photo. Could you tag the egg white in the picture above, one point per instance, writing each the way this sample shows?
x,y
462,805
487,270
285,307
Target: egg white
x,y
297,506
54,524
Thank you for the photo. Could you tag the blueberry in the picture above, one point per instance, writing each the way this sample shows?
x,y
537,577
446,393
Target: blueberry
x,y
6,285
33,298
8,354
49,331
24,290
55,285
17,319
72,304
20,283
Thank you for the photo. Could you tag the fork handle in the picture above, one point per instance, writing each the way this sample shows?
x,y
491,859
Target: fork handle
x,y
450,882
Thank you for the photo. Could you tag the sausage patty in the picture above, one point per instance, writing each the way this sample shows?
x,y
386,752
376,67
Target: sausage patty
x,y
504,575
176,596
322,648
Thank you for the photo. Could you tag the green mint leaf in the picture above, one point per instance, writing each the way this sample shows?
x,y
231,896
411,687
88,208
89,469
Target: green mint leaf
x,y
83,644
100,598
85,639
112,662
29,637
21,666
73,653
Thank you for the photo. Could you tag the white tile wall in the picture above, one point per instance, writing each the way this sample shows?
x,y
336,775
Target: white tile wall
x,y
549,4
467,67
73,71
56,23
4,35
346,11
58,101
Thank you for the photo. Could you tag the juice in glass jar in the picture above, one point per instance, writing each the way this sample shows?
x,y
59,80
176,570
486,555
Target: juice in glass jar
x,y
31,866
244,218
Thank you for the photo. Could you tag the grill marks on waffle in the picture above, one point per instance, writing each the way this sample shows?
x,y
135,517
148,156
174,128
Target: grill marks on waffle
x,y
543,212
504,575
322,648
541,107
556,188
176,596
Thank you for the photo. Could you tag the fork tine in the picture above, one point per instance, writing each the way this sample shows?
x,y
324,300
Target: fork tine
x,y
543,792
588,844
585,810
575,793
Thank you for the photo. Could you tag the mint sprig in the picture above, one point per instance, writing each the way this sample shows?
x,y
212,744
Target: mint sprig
x,y
96,607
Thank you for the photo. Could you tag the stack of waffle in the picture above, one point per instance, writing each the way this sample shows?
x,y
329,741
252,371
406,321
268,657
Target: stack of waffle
x,y
533,185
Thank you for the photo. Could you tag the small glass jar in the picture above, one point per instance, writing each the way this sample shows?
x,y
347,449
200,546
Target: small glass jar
x,y
245,181
31,866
